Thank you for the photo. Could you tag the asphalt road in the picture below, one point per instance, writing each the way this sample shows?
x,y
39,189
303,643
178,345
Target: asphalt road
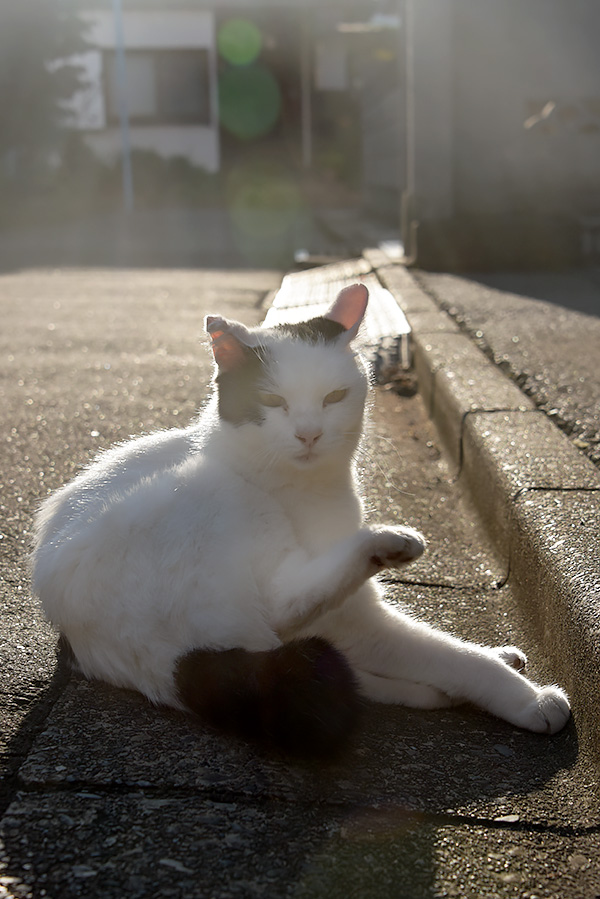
x,y
106,796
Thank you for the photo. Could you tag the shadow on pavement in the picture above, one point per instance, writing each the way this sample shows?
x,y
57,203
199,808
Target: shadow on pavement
x,y
17,748
576,289
120,796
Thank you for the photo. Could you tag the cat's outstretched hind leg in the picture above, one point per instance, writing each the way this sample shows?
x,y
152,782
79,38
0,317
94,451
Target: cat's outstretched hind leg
x,y
379,638
403,692
300,698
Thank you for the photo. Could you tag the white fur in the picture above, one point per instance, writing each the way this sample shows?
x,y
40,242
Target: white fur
x,y
224,536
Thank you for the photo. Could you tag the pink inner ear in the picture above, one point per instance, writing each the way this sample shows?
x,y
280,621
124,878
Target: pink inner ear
x,y
227,349
350,307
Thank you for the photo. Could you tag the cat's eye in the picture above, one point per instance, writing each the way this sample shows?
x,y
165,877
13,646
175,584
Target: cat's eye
x,y
271,399
336,396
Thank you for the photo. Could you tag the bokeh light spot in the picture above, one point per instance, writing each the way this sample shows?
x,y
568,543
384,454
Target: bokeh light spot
x,y
249,101
239,41
266,210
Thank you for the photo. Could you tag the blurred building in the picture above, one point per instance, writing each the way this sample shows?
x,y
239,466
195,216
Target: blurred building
x,y
472,125
502,131
207,78
170,88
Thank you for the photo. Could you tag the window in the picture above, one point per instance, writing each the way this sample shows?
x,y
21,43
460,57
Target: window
x,y
163,86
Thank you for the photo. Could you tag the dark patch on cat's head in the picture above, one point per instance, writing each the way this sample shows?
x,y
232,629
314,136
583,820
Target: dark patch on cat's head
x,y
312,331
238,390
238,387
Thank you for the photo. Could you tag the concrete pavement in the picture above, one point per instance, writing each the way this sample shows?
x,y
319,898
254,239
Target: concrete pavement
x,y
534,483
543,330
106,796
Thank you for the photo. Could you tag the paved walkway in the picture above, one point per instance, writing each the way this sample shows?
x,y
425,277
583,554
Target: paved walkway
x,y
106,796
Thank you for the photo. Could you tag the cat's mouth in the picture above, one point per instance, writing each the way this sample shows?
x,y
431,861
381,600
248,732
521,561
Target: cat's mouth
x,y
306,457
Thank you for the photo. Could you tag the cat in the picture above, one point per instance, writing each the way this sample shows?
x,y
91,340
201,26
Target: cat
x,y
225,568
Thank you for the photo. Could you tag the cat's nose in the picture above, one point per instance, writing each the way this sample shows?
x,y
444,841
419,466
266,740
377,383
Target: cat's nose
x,y
308,437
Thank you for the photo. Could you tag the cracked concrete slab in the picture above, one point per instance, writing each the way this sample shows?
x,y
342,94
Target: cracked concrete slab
x,y
555,565
455,379
459,762
504,453
528,323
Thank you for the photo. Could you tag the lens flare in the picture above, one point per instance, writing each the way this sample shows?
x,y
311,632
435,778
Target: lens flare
x,y
249,101
239,42
266,210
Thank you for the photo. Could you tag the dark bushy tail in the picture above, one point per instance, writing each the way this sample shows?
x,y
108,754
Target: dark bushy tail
x,y
300,698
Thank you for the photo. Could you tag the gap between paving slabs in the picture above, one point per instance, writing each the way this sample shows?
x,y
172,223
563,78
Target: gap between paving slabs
x,y
537,494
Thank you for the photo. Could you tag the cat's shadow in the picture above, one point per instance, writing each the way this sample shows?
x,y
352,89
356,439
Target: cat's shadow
x,y
459,760
410,785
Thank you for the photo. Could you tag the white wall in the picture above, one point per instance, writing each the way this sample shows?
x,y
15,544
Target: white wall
x,y
512,58
154,30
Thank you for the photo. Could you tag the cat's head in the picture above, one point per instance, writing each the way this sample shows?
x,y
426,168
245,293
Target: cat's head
x,y
296,392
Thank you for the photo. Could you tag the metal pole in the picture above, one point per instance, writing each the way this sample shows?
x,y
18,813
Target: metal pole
x,y
214,91
123,111
305,93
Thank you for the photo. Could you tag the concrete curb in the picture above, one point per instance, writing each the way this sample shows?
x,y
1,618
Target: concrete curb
x,y
537,494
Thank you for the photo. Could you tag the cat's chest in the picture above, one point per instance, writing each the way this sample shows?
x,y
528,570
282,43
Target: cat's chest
x,y
320,520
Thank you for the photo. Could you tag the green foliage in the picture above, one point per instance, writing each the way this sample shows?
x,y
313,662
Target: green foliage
x,y
34,34
82,186
164,182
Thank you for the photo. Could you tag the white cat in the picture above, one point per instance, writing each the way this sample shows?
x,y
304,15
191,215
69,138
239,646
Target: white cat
x,y
225,567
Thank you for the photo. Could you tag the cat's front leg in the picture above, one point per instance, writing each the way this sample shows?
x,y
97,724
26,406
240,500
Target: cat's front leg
x,y
511,656
305,587
392,548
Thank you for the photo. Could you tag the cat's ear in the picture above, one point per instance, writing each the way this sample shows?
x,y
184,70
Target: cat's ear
x,y
349,309
229,341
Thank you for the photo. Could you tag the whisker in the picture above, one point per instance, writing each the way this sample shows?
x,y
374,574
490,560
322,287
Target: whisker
x,y
364,453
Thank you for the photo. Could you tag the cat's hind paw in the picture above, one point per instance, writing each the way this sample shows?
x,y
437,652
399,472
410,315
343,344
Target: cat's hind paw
x,y
512,657
393,547
548,713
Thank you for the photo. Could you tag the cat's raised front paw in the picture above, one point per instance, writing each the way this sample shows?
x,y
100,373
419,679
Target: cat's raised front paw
x,y
392,547
548,713
512,657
